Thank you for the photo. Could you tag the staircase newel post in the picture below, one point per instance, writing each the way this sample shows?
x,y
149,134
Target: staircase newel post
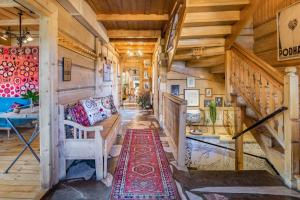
x,y
239,115
291,126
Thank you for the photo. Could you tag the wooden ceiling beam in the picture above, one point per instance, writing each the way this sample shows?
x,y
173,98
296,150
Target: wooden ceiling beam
x,y
220,69
203,42
133,40
124,43
134,46
205,31
8,4
15,22
8,14
194,19
123,51
132,17
207,52
124,33
145,55
207,62
215,5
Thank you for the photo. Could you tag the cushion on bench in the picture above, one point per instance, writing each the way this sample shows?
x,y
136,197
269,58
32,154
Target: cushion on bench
x,y
107,125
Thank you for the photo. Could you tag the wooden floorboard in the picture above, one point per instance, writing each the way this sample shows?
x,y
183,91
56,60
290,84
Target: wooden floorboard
x,y
23,180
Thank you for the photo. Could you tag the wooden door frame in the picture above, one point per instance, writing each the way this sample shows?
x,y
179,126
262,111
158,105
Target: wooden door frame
x,y
48,84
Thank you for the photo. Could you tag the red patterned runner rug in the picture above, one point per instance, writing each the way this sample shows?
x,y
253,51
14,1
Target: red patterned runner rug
x,y
143,171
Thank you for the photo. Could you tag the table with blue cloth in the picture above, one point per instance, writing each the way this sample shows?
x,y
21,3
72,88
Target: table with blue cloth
x,y
25,114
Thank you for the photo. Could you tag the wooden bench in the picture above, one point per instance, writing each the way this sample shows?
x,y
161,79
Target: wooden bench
x,y
87,143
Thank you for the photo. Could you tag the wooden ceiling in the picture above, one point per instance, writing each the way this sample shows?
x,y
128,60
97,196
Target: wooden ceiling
x,y
9,18
133,20
132,14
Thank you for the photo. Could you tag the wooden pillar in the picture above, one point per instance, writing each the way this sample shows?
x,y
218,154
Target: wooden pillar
x,y
291,125
228,63
48,75
239,115
155,83
182,137
162,88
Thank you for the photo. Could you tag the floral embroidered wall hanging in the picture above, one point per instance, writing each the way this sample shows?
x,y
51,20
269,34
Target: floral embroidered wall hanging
x,y
19,70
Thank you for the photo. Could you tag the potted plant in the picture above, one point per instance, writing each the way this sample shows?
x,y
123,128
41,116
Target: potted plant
x,y
144,100
32,96
213,114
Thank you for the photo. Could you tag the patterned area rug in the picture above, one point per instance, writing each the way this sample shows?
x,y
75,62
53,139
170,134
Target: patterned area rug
x,y
143,171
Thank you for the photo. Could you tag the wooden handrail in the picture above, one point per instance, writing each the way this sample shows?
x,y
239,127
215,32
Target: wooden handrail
x,y
232,149
274,73
175,99
261,121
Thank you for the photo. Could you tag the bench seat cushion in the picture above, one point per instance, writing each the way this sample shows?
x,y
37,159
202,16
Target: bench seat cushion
x,y
107,125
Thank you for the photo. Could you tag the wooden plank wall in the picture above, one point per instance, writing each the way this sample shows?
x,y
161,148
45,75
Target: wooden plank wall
x,y
82,82
84,69
265,32
218,88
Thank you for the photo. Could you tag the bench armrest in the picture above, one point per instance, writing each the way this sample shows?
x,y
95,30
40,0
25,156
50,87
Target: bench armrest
x,y
83,128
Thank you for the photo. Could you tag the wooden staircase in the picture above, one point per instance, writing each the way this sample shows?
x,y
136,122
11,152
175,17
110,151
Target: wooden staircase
x,y
263,89
206,41
208,28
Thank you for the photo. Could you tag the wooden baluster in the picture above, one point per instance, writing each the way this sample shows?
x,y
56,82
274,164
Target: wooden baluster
x,y
254,83
264,96
248,82
267,100
259,85
241,64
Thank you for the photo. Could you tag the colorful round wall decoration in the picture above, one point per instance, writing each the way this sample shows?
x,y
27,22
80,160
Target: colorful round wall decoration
x,y
18,70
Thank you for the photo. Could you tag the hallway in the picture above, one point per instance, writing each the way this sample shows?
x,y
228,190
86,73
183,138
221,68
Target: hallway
x,y
131,118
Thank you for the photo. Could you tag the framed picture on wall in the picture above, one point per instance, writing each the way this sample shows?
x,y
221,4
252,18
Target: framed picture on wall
x,y
107,72
190,82
67,69
146,86
208,92
207,102
219,101
192,97
175,90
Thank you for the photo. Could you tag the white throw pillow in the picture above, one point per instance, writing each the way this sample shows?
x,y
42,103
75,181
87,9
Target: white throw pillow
x,y
105,111
92,111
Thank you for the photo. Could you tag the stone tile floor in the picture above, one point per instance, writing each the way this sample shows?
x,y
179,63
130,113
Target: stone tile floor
x,y
192,185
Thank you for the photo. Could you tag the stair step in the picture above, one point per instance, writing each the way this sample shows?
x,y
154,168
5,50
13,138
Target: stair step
x,y
276,146
246,178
